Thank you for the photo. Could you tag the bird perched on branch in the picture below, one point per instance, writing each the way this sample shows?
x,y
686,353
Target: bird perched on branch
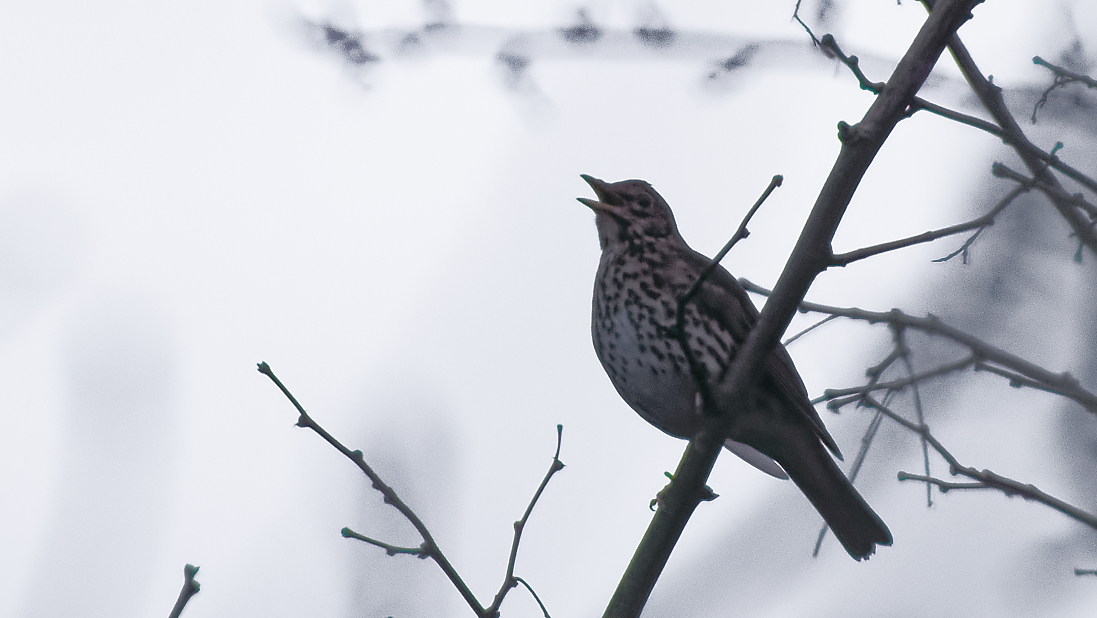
x,y
645,267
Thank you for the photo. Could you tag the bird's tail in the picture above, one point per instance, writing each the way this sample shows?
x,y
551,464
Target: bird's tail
x,y
852,520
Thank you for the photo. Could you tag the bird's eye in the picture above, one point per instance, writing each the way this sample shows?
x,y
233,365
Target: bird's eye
x,y
644,201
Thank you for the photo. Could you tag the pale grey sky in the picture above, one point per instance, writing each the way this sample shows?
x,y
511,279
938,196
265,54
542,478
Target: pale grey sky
x,y
187,188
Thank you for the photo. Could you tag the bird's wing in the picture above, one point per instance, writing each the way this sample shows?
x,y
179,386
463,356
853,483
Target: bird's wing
x,y
723,296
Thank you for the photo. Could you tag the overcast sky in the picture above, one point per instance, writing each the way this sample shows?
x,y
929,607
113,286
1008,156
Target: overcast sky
x,y
189,188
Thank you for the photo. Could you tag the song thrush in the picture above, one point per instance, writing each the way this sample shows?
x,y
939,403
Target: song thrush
x,y
646,265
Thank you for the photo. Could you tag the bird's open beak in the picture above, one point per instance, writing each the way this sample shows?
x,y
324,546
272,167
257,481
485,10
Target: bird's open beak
x,y
607,201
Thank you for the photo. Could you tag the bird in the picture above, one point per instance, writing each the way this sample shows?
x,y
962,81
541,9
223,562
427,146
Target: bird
x,y
645,266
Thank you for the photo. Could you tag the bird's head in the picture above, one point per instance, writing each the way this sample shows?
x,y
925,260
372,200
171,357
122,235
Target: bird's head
x,y
629,211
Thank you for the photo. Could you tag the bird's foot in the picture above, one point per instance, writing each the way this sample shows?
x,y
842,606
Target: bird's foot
x,y
707,495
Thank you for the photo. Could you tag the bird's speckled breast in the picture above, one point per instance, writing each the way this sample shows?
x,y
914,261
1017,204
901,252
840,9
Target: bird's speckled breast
x,y
634,311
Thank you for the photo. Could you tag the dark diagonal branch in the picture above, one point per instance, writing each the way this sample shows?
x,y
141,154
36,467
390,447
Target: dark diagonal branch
x,y
991,98
830,46
860,143
670,519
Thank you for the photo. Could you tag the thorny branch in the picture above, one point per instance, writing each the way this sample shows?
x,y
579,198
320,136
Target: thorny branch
x,y
429,548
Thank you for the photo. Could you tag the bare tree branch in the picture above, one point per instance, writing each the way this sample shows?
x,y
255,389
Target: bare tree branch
x,y
1062,384
843,259
1054,191
509,580
190,588
429,548
1085,571
991,97
839,397
1063,77
985,478
831,48
860,143
695,366
916,396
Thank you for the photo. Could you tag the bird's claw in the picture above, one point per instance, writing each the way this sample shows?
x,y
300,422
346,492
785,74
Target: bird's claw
x,y
707,495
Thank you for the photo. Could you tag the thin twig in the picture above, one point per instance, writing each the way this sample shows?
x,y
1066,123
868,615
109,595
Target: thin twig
x,y
1006,485
544,610
916,396
1018,141
430,547
740,233
392,550
696,368
809,329
944,486
829,43
1053,191
510,580
964,248
190,588
843,259
1085,571
1062,384
1078,77
796,16
840,397
991,98
1063,77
